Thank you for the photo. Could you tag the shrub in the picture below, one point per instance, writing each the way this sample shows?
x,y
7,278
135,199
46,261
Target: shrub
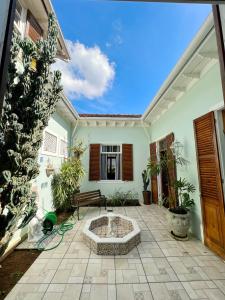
x,y
119,198
66,183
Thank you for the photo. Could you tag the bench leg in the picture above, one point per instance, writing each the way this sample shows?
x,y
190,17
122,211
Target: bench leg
x,y
78,216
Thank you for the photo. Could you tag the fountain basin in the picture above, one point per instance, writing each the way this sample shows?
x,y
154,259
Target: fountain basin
x,y
111,234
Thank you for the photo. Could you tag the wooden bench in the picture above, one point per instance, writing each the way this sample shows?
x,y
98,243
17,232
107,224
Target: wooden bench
x,y
84,199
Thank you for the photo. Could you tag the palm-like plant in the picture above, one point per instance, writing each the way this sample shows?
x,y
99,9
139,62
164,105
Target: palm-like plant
x,y
184,189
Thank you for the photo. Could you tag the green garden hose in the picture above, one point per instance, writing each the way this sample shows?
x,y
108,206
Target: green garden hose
x,y
63,228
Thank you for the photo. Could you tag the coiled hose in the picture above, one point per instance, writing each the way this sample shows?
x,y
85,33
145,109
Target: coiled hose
x,y
63,228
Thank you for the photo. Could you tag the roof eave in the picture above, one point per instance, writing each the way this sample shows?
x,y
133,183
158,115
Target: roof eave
x,y
192,48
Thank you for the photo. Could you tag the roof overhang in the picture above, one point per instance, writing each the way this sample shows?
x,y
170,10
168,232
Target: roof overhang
x,y
111,122
66,110
40,9
200,56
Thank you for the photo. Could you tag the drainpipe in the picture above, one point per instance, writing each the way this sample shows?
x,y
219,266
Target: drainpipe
x,y
146,131
73,133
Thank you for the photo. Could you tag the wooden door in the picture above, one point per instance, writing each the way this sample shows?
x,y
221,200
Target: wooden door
x,y
154,183
212,200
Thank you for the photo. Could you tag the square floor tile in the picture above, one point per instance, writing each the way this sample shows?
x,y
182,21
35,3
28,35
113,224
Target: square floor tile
x,y
42,271
146,236
98,292
27,292
149,249
161,235
63,292
100,271
158,270
71,271
133,292
172,248
77,250
203,290
168,291
129,271
58,252
197,267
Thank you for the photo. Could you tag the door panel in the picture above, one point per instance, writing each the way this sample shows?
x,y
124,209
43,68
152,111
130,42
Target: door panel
x,y
154,183
210,183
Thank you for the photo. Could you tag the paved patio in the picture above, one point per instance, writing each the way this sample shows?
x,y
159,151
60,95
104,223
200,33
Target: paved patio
x,y
159,268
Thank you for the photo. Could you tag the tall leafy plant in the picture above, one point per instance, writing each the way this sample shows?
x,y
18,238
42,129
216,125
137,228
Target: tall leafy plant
x,y
67,182
30,100
184,190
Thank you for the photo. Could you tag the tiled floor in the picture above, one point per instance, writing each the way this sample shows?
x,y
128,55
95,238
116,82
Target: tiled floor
x,y
159,268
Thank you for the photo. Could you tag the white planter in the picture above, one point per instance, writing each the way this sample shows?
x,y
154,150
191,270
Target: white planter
x,y
179,224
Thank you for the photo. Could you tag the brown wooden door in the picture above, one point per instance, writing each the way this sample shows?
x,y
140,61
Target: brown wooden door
x,y
210,183
154,183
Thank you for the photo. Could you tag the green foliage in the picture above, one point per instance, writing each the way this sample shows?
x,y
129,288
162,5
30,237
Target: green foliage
x,y
119,198
146,180
66,183
184,189
78,149
30,99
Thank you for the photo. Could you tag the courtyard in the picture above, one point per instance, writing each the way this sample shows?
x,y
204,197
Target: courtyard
x,y
158,268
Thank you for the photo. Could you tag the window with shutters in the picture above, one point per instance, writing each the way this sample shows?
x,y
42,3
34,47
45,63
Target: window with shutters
x,y
50,143
34,30
111,162
20,19
63,148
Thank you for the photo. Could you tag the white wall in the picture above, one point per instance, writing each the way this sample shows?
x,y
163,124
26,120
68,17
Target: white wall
x,y
61,128
101,135
202,98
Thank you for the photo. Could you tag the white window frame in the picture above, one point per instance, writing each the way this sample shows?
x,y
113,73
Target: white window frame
x,y
57,144
59,147
21,28
102,152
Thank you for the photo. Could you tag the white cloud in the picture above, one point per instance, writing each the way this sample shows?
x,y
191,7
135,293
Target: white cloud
x,y
89,73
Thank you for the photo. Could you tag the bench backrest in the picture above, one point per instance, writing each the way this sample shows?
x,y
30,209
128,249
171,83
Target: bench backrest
x,y
88,196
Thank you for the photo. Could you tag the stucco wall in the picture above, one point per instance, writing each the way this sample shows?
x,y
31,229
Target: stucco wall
x,y
135,136
62,129
200,99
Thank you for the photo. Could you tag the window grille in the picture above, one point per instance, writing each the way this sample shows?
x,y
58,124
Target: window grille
x,y
50,143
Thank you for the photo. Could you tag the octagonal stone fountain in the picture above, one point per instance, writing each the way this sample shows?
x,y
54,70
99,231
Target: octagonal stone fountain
x,y
111,234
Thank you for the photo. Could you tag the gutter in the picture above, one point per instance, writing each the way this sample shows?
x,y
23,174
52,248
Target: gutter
x,y
204,32
70,107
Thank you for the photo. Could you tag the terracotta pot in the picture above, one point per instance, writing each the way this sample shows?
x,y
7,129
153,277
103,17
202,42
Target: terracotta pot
x,y
179,224
147,197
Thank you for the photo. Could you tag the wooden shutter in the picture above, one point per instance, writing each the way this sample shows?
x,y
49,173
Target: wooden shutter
x,y
210,183
172,173
34,30
154,183
94,162
127,162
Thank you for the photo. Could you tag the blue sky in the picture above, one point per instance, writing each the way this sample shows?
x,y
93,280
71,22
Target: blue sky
x,y
122,52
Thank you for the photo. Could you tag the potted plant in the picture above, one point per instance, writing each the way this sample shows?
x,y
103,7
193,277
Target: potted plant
x,y
146,193
179,216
